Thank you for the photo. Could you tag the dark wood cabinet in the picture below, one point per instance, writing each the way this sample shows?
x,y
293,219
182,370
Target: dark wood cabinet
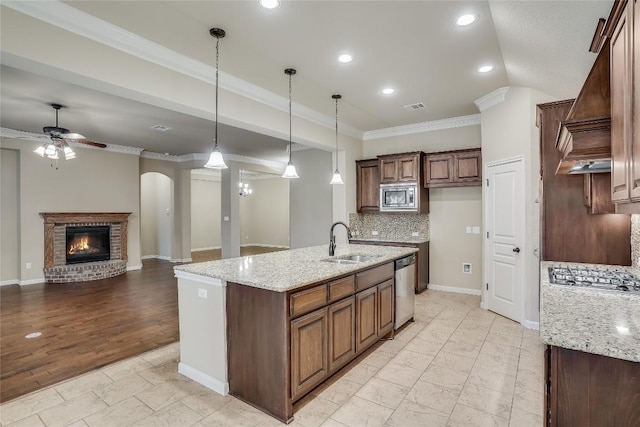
x,y
569,233
342,332
589,390
403,167
386,304
366,318
597,193
458,168
367,186
309,343
625,103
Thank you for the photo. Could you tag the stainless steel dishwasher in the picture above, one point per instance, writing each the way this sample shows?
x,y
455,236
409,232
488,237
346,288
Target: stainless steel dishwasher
x,y
405,294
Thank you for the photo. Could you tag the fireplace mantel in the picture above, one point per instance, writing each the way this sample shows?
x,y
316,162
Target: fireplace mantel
x,y
55,223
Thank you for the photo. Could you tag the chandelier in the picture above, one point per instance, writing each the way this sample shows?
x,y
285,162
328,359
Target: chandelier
x,y
244,187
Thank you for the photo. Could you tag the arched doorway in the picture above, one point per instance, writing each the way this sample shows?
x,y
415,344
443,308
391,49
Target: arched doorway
x,y
156,215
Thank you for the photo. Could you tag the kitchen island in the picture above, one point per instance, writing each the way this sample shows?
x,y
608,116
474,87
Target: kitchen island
x,y
270,328
592,361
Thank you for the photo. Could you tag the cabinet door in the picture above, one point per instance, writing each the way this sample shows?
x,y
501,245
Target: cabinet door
x,y
366,318
342,333
386,299
408,168
635,119
367,186
309,361
468,167
597,193
388,170
438,169
620,109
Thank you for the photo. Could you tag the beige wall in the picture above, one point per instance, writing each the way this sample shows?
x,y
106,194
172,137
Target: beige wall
x,y
95,181
9,217
509,130
451,209
156,213
265,214
205,213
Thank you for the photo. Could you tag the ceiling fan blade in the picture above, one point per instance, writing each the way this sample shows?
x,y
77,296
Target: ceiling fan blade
x,y
72,135
92,143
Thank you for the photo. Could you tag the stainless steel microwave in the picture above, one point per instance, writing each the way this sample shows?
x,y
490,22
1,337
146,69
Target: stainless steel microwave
x,y
398,197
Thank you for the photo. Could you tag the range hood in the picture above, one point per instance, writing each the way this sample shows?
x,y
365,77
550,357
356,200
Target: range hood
x,y
584,136
598,166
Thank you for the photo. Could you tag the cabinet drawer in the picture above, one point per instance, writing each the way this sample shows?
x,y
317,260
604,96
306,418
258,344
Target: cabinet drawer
x,y
308,300
341,288
373,276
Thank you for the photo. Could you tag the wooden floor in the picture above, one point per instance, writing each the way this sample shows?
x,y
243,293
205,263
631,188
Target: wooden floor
x,y
87,325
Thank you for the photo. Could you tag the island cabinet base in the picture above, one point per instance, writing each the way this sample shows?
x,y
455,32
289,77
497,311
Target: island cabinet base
x,y
282,345
589,390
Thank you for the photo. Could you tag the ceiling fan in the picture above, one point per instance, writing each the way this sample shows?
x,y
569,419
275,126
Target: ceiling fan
x,y
59,141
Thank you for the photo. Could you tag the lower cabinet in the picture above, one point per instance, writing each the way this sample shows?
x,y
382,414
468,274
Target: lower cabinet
x,y
589,390
386,300
309,343
366,318
342,333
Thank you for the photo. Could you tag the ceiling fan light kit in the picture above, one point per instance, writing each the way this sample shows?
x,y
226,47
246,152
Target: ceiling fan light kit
x,y
57,147
216,161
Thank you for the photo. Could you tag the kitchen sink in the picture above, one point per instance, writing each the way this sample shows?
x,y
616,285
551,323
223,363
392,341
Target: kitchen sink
x,y
351,259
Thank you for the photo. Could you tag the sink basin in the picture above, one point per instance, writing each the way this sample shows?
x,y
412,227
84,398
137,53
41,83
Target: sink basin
x,y
351,259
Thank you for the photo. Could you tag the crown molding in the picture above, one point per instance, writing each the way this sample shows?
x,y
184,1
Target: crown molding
x,y
492,98
450,123
204,157
83,24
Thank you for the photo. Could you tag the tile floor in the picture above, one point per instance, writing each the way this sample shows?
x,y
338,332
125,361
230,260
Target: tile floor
x,y
457,365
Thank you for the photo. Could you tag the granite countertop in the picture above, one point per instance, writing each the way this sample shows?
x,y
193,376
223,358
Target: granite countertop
x,y
591,320
411,240
286,270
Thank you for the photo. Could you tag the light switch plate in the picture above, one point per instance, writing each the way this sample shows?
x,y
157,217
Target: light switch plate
x,y
202,293
476,230
468,229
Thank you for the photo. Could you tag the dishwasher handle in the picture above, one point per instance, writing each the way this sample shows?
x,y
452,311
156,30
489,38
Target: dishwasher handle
x,y
405,262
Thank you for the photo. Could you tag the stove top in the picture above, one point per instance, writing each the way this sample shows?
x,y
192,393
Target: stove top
x,y
594,278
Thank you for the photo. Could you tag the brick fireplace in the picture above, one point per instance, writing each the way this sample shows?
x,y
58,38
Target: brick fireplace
x,y
61,262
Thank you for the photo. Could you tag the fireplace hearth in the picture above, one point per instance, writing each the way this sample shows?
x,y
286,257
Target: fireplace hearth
x,y
87,244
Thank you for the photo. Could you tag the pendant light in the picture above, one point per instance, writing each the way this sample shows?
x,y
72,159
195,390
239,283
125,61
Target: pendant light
x,y
336,179
215,159
290,171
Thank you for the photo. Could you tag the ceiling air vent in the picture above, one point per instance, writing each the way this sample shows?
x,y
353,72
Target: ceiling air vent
x,y
160,128
414,107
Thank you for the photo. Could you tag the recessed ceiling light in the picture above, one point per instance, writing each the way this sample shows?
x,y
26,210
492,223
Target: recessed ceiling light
x,y
269,4
387,91
485,68
465,20
345,58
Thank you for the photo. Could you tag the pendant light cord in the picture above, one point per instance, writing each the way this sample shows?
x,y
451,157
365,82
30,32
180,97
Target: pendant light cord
x,y
336,133
217,62
289,118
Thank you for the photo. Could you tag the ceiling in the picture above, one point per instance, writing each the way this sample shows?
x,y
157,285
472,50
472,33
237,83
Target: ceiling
x,y
412,46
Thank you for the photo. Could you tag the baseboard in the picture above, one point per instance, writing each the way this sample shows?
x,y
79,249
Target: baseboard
x,y
9,282
454,289
162,257
531,325
32,281
264,245
204,379
134,267
182,260
208,248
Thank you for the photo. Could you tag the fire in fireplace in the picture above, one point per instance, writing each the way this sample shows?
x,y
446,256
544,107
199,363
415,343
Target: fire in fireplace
x,y
88,244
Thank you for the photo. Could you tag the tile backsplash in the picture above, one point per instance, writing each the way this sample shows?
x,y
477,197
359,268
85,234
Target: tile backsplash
x,y
389,225
635,241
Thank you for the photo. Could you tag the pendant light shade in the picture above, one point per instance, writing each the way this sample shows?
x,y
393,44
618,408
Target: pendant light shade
x,y
290,170
336,179
215,159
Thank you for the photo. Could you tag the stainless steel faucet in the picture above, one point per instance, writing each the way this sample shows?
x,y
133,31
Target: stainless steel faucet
x,y
332,237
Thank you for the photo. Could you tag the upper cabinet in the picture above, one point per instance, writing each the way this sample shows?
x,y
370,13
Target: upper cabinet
x,y
400,167
367,186
625,109
459,168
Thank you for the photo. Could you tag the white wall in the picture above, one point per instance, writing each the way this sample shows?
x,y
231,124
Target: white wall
x,y
311,199
509,130
451,209
9,216
156,213
95,181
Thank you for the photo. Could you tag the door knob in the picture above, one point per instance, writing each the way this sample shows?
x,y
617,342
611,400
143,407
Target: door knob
x,y
516,250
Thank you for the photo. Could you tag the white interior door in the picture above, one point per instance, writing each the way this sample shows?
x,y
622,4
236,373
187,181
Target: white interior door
x,y
505,232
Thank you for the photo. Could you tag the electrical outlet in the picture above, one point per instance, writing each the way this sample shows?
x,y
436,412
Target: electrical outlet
x,y
415,234
202,293
466,267
374,233
28,266
226,218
